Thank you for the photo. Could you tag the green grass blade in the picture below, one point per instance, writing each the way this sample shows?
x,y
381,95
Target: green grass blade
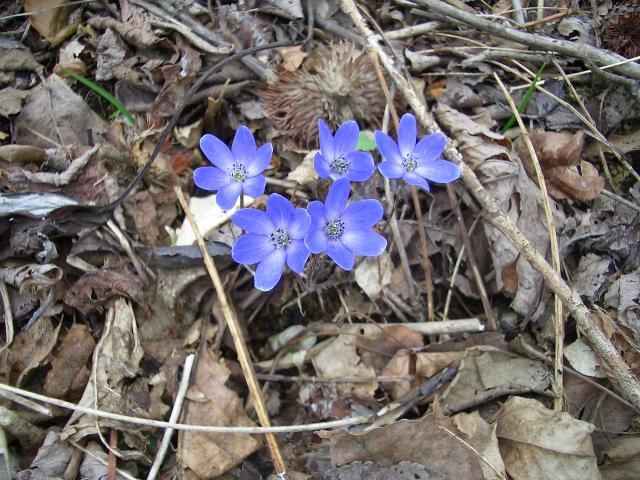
x,y
104,94
522,106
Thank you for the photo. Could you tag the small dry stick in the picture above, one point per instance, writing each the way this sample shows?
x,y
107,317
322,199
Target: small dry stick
x,y
580,51
175,413
555,254
617,370
310,427
238,339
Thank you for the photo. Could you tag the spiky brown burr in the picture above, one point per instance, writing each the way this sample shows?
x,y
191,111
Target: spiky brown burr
x,y
338,83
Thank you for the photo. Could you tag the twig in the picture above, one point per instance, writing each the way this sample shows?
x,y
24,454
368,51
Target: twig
x,y
553,240
104,462
581,51
175,413
8,315
238,338
311,427
618,371
622,201
61,179
272,377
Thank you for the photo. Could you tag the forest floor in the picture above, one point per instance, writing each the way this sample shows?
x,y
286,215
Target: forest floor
x,y
497,336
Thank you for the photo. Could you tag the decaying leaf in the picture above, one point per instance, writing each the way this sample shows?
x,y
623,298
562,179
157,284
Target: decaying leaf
x,y
210,402
54,109
582,359
340,358
51,460
93,289
622,459
423,365
48,16
111,386
536,442
373,275
486,373
69,365
423,441
31,349
477,143
559,155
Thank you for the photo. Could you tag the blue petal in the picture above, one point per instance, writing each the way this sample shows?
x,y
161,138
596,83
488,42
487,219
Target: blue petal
x,y
430,148
364,242
321,165
210,178
416,180
387,147
316,211
391,169
362,214
254,186
228,195
361,166
337,198
279,209
326,141
299,223
261,160
269,271
253,221
251,248
316,239
440,171
340,254
346,139
297,255
407,134
243,146
216,151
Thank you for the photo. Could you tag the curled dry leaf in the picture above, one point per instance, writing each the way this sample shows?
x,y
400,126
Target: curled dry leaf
x,y
559,155
426,365
536,442
340,358
94,289
210,402
69,365
423,441
486,373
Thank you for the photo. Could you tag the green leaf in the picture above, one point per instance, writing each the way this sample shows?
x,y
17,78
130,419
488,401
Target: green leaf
x,y
522,106
104,94
365,142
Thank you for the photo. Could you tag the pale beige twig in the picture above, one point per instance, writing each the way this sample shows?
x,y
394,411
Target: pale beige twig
x,y
311,427
8,315
238,339
617,370
175,413
553,240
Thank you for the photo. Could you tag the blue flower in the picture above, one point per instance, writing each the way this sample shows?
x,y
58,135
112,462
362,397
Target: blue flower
x,y
235,171
415,163
344,231
338,157
273,238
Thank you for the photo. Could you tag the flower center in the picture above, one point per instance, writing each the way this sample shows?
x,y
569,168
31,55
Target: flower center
x,y
409,163
279,238
334,229
339,165
238,173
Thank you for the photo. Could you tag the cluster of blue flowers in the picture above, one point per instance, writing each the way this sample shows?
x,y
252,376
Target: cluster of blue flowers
x,y
285,235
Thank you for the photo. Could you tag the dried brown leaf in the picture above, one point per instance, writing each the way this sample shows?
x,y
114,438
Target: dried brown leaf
x,y
69,364
536,442
210,402
422,441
